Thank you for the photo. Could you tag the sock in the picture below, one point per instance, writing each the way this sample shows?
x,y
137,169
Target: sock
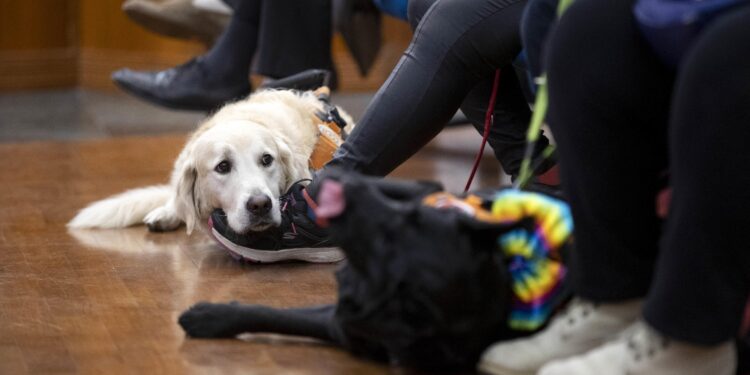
x,y
230,57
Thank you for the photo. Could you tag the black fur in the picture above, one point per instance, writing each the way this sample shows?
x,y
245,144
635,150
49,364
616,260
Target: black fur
x,y
422,287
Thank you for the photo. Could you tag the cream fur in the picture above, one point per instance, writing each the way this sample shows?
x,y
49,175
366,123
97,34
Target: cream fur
x,y
278,123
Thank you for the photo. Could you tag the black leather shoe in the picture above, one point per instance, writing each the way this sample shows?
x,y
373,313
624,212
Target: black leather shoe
x,y
187,86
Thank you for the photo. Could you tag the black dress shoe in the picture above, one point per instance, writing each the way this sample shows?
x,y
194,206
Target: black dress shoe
x,y
188,87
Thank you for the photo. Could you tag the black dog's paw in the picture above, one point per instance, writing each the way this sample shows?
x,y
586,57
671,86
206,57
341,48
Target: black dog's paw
x,y
211,320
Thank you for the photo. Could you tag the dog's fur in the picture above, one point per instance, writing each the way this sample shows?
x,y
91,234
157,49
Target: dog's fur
x,y
272,125
421,287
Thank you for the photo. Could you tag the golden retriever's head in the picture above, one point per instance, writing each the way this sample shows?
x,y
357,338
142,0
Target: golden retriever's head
x,y
245,156
241,167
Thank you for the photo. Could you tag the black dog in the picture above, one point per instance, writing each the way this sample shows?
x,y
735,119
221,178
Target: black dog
x,y
422,287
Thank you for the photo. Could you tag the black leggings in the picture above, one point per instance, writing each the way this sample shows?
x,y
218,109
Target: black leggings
x,y
621,118
450,63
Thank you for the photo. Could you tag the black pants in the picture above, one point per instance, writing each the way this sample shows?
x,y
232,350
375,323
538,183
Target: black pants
x,y
621,118
450,63
291,36
536,24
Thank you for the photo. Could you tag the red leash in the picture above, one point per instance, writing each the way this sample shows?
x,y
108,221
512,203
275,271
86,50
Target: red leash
x,y
487,124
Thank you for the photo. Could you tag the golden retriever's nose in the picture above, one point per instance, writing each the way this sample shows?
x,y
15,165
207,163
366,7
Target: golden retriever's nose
x,y
259,205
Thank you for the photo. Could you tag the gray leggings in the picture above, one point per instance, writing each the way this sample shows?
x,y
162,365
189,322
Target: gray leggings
x,y
450,63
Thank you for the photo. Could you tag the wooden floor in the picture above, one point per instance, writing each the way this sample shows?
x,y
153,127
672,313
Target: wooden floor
x,y
106,301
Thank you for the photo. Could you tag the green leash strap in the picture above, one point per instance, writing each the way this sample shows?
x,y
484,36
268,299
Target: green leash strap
x,y
540,112
532,134
562,6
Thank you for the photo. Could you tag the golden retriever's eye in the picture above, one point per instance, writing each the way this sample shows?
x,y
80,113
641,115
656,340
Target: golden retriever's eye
x,y
224,167
266,160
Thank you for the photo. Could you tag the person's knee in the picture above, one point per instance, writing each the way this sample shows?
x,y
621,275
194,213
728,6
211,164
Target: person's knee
x,y
716,60
583,40
537,15
416,9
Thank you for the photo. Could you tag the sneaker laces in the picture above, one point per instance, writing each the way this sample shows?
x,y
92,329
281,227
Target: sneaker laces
x,y
288,201
644,342
576,312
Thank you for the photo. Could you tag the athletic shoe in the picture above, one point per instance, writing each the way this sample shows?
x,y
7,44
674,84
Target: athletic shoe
x,y
297,238
645,352
578,329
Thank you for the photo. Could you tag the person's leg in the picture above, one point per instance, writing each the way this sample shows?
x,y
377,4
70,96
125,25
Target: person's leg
x,y
511,121
536,23
608,109
609,106
230,58
206,82
702,279
511,115
457,45
234,4
294,36
416,9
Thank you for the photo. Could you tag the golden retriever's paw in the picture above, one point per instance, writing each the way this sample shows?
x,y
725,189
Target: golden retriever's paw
x,y
162,219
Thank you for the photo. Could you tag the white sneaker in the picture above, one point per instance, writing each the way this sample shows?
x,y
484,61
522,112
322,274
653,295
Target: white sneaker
x,y
644,351
580,328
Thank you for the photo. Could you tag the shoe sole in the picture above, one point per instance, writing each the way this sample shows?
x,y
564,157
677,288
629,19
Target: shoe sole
x,y
485,367
306,254
182,29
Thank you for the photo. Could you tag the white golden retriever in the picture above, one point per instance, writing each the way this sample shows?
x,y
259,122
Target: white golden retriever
x,y
241,160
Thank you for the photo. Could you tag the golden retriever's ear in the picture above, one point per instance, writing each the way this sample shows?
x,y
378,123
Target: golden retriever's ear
x,y
188,203
294,166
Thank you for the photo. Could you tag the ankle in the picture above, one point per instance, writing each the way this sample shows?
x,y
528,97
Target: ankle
x,y
220,75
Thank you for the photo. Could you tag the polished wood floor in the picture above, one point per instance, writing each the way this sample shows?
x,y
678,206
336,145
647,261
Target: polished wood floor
x,y
106,301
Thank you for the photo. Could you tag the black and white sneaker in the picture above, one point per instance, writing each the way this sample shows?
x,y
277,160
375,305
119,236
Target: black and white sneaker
x,y
297,238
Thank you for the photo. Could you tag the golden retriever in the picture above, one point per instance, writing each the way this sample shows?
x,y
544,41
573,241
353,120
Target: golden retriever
x,y
241,160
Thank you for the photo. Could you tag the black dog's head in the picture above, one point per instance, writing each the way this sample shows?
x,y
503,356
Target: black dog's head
x,y
422,287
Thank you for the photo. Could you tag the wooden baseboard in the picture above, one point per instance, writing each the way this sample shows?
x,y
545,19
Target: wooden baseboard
x,y
33,69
